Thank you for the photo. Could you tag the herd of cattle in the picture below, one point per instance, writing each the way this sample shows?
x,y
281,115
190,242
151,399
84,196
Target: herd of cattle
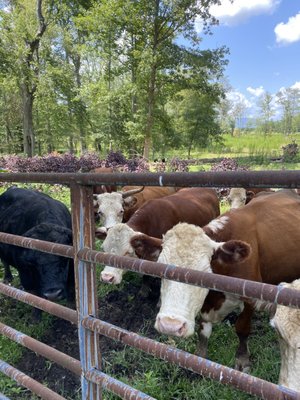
x,y
256,240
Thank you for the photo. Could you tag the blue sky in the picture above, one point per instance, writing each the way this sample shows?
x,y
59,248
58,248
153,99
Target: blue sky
x,y
264,41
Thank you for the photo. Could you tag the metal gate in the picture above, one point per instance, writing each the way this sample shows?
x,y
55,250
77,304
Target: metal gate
x,y
93,380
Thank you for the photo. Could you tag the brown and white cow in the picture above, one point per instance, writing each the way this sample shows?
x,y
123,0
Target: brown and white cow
x,y
238,197
118,207
259,242
286,321
156,217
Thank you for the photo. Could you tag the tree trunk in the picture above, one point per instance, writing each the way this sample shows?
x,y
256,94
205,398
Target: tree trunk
x,y
150,116
152,84
28,130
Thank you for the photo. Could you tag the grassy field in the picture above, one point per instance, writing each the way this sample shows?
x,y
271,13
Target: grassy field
x,y
157,378
248,145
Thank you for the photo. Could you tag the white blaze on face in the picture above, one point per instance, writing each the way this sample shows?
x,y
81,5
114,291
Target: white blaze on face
x,y
117,242
286,321
237,197
110,208
186,246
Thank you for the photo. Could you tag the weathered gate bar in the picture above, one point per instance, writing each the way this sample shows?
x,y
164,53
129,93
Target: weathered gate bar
x,y
260,291
250,289
43,304
276,179
202,366
72,364
43,349
29,383
242,287
119,388
36,244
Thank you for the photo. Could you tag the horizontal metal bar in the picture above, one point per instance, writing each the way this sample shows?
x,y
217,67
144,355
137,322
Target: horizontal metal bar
x,y
242,287
29,383
276,179
115,386
36,244
43,304
225,375
44,350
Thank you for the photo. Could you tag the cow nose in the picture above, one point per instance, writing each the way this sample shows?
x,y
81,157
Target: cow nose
x,y
53,294
108,278
171,326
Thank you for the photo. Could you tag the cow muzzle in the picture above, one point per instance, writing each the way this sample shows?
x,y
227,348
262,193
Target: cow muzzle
x,y
111,277
175,326
54,294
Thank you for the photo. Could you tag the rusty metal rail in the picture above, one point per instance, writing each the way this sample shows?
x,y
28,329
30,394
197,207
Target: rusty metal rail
x,y
44,350
35,301
28,382
248,289
202,366
86,300
113,385
224,375
276,179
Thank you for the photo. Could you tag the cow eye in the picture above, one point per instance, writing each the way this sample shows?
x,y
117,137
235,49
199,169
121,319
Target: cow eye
x,y
121,212
100,212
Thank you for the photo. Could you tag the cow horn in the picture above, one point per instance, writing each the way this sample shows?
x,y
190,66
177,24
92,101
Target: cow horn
x,y
132,192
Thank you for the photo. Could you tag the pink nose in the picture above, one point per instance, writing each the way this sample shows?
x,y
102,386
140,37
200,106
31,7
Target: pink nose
x,y
171,326
107,278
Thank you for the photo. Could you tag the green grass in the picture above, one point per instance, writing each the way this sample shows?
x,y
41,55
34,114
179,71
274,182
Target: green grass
x,y
251,145
166,381
159,379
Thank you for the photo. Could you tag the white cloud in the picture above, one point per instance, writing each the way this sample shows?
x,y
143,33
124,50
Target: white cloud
x,y
237,97
233,13
256,92
296,85
289,32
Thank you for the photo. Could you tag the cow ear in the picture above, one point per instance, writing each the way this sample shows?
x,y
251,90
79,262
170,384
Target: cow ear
x,y
146,247
101,233
130,202
249,195
232,252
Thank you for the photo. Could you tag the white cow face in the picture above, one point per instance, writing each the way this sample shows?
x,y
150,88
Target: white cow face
x,y
117,242
110,208
286,321
237,197
186,246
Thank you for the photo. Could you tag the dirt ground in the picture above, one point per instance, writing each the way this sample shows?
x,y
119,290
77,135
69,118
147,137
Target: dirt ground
x,y
128,308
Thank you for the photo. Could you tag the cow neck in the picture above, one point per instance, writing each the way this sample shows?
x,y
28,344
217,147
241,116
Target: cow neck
x,y
141,222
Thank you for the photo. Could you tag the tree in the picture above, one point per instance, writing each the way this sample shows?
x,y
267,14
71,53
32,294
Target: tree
x,y
289,100
196,119
22,29
146,33
266,112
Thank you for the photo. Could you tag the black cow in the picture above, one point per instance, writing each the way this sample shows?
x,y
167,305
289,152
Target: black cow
x,y
34,214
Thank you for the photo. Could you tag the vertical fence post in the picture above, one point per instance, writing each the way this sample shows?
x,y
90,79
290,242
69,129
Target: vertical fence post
x,y
85,283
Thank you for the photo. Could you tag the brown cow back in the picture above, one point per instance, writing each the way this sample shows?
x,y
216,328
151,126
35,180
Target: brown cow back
x,y
192,205
148,193
270,223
